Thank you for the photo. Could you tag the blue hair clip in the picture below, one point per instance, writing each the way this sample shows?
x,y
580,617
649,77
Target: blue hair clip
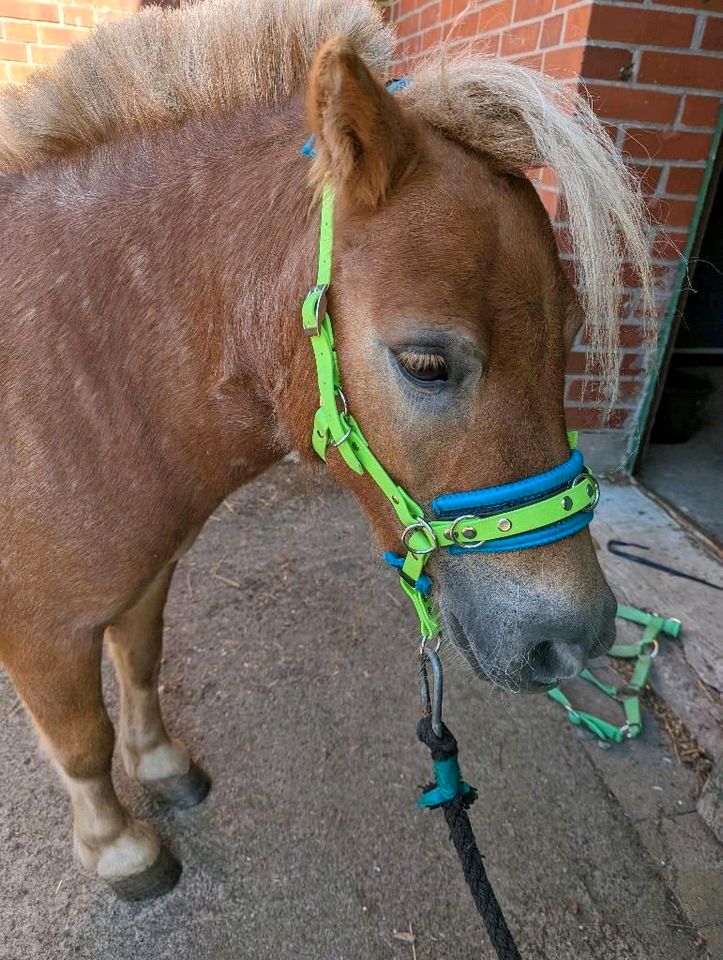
x,y
308,149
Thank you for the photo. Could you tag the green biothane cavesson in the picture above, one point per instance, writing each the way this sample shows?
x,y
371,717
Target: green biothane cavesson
x,y
334,426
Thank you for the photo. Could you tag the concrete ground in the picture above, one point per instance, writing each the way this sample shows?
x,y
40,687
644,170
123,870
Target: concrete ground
x,y
290,672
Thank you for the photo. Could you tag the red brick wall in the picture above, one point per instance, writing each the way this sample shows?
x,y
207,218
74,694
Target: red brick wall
x,y
654,71
34,33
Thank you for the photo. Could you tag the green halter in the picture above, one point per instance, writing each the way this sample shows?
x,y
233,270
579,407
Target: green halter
x,y
336,427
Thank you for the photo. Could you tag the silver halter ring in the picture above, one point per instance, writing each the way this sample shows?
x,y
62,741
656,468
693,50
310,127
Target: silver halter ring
x,y
655,643
423,641
451,533
588,478
342,413
420,524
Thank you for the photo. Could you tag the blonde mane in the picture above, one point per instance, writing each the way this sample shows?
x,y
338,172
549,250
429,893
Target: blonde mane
x,y
163,67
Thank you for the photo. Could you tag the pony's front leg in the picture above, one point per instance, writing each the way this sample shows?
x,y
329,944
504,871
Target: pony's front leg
x,y
149,755
59,680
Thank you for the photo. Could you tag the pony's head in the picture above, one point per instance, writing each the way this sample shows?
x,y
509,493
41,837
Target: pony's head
x,y
452,313
454,318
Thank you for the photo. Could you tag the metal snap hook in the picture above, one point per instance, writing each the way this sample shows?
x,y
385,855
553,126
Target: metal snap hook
x,y
423,643
345,436
431,700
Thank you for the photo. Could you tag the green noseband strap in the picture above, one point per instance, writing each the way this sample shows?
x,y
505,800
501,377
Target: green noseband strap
x,y
334,426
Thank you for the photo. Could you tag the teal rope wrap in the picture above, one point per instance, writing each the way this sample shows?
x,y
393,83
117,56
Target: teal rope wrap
x,y
449,784
453,796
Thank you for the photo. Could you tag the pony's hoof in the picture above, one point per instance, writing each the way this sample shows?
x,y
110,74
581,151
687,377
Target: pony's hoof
x,y
155,881
185,790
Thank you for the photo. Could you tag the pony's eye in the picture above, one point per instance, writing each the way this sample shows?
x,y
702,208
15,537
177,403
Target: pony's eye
x,y
426,367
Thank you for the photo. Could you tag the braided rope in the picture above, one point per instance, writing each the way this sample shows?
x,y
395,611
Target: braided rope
x,y
462,836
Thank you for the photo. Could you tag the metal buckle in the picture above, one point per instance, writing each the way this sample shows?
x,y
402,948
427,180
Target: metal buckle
x,y
420,524
319,292
451,533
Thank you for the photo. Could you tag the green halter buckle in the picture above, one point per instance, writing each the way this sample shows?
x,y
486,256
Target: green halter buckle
x,y
334,426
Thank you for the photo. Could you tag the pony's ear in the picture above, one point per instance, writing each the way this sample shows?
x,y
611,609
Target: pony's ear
x,y
364,142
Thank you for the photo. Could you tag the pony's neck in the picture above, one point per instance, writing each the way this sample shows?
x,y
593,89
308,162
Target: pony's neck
x,y
266,236
261,232
195,250
238,218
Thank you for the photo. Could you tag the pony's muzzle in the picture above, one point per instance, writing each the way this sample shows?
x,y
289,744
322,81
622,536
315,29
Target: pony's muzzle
x,y
521,635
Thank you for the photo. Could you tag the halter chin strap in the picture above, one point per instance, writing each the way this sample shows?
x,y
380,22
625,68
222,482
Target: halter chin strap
x,y
514,516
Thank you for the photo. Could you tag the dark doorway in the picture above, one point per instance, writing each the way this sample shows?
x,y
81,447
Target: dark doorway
x,y
683,461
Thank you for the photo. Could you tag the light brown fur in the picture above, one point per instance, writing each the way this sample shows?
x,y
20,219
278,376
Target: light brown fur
x,y
152,361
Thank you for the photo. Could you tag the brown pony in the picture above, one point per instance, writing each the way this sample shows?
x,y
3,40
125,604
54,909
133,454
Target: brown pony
x,y
159,232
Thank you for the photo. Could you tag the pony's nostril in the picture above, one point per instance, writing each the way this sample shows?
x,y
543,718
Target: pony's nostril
x,y
553,660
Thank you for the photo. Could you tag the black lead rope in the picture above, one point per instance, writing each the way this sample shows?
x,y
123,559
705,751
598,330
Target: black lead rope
x,y
614,548
454,796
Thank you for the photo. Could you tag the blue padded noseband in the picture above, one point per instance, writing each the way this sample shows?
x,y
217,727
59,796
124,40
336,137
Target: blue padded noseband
x,y
493,499
490,500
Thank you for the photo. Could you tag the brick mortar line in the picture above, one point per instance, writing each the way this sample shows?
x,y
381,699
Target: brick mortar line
x,y
656,88
656,262
595,380
491,32
586,349
702,16
654,161
700,24
651,47
452,21
674,262
600,81
661,297
654,127
34,23
680,111
584,42
650,162
712,55
599,404
662,7
661,232
597,377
